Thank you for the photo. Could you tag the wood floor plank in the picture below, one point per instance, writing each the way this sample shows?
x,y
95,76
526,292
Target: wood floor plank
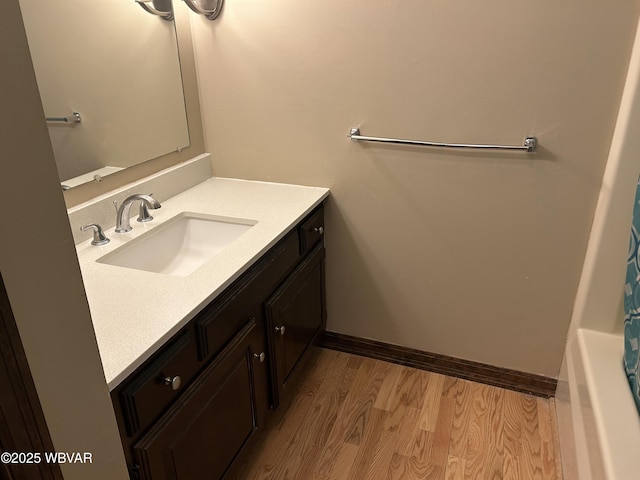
x,y
410,388
293,455
444,426
363,404
388,387
352,415
337,379
404,434
369,449
411,468
356,418
512,432
431,403
422,445
484,454
494,437
495,423
332,394
556,438
475,432
461,418
305,469
531,444
381,459
493,463
473,459
341,467
396,417
547,439
455,468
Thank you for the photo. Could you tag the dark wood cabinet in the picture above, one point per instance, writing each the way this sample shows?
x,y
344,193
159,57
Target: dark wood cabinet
x,y
295,315
200,435
234,368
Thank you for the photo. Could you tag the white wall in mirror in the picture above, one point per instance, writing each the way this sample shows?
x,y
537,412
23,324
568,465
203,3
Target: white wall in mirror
x,y
116,65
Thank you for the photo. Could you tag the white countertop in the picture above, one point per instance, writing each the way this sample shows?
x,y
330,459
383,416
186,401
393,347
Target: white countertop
x,y
135,312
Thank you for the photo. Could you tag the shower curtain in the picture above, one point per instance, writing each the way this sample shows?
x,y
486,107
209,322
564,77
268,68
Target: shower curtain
x,y
632,306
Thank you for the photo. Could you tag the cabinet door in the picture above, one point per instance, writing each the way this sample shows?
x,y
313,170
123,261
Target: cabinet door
x,y
199,437
295,313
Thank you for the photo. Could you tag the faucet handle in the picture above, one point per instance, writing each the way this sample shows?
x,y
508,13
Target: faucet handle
x,y
99,238
144,215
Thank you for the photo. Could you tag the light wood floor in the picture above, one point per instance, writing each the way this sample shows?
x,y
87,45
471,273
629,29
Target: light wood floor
x,y
356,418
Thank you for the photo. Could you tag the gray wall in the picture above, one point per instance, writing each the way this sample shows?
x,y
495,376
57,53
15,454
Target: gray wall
x,y
40,269
474,255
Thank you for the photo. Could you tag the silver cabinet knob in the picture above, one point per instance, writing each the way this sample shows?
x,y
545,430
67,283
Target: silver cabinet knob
x,y
280,330
319,230
173,382
260,356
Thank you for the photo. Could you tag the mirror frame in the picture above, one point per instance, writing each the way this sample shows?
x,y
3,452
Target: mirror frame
x,y
90,190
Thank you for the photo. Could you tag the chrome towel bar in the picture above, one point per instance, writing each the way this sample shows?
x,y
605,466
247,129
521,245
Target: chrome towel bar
x,y
73,118
529,145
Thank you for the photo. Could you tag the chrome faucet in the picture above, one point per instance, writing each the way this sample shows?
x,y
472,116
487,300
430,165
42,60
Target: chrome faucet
x,y
122,217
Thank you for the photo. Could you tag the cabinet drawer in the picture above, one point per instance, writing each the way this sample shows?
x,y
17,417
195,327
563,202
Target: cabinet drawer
x,y
217,325
312,231
241,302
151,391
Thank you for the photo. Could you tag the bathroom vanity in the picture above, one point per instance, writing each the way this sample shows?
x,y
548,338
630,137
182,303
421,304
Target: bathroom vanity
x,y
195,376
192,407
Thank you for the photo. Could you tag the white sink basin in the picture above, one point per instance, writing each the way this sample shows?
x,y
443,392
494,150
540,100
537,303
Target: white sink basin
x,y
180,245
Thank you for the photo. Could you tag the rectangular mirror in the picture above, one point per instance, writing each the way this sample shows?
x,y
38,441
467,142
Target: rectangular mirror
x,y
118,67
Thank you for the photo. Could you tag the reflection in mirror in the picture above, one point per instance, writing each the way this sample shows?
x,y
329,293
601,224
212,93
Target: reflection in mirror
x,y
118,67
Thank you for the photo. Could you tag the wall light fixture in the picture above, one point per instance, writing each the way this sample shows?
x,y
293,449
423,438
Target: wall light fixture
x,y
162,8
209,8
